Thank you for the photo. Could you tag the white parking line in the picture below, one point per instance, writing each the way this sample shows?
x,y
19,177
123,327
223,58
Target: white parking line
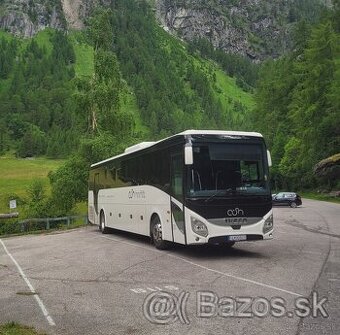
x,y
30,286
237,277
208,269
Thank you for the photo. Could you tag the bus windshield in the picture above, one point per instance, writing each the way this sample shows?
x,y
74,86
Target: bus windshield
x,y
227,169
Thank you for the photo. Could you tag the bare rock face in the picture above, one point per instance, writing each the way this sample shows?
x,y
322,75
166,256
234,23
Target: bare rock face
x,y
27,17
257,29
73,13
253,28
328,168
76,11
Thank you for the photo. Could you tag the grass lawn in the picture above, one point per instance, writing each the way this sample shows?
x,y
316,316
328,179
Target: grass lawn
x,y
17,174
319,196
229,89
15,329
84,55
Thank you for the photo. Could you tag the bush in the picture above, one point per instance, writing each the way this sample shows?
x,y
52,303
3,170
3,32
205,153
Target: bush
x,y
36,204
69,185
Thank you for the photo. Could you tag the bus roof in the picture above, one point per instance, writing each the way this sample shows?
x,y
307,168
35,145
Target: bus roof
x,y
144,145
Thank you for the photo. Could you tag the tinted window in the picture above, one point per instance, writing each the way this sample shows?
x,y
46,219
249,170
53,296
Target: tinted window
x,y
177,176
228,167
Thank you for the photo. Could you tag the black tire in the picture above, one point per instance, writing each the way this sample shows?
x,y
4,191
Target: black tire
x,y
156,234
293,204
102,226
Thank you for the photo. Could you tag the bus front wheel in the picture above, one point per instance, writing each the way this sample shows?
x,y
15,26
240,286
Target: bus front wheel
x,y
102,226
156,234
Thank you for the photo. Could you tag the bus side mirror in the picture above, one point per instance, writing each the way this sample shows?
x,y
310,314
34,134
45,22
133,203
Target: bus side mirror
x,y
269,158
188,155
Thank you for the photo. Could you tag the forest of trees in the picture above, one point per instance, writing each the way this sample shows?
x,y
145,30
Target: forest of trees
x,y
47,110
234,65
172,92
37,114
298,103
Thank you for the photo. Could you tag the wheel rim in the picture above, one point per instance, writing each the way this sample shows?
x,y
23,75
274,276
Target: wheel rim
x,y
157,232
293,205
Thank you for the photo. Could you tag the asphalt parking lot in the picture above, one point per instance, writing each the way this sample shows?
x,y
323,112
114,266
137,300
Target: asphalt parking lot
x,y
83,282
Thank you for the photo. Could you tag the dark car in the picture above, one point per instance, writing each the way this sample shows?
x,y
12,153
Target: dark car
x,y
287,199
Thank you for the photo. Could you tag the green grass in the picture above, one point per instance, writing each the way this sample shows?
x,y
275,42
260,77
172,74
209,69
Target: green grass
x,y
225,88
229,94
228,89
319,196
85,67
17,174
6,35
129,105
84,52
16,329
80,208
43,38
84,55
84,59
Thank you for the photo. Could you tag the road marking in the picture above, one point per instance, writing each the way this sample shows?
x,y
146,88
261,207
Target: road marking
x,y
139,290
30,286
209,269
237,277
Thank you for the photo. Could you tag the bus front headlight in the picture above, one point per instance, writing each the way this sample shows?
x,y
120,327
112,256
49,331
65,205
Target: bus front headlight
x,y
199,227
268,224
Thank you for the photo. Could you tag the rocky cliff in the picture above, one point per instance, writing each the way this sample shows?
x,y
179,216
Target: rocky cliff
x,y
27,17
254,28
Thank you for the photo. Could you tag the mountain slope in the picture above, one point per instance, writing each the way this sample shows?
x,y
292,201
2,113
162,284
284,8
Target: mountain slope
x,y
257,29
254,28
28,17
164,88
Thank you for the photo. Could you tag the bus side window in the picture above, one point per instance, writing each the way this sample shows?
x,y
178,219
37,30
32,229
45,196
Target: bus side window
x,y
177,176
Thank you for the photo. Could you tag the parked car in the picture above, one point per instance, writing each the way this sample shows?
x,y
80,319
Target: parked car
x,y
286,198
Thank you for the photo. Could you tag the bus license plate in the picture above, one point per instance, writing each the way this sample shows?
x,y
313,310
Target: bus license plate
x,y
236,238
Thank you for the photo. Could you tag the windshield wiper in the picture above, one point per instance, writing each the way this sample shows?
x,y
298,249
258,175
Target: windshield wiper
x,y
227,191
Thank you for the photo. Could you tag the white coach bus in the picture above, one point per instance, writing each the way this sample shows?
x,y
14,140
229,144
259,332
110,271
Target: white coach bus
x,y
195,187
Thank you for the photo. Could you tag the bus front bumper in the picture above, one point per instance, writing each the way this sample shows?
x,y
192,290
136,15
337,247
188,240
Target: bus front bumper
x,y
261,230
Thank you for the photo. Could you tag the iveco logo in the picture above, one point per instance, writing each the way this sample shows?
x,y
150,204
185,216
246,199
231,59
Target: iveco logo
x,y
235,212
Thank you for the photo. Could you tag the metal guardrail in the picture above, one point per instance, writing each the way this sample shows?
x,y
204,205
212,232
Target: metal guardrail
x,y
9,215
36,224
49,221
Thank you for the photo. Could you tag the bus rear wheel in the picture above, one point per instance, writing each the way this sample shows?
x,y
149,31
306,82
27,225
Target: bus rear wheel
x,y
102,226
156,234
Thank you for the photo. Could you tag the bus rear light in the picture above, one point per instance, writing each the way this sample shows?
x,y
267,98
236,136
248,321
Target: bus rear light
x,y
268,224
199,227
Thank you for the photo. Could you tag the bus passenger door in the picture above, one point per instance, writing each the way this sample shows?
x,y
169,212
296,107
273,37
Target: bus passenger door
x,y
177,209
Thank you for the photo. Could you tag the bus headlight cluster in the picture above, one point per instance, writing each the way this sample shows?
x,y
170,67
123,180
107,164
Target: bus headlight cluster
x,y
268,224
199,227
